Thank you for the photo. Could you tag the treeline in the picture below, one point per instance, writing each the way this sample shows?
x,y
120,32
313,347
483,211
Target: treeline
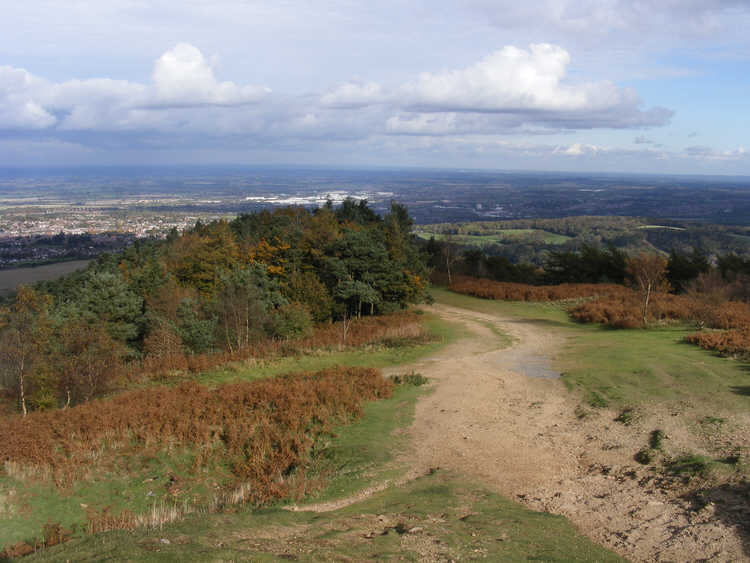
x,y
216,290
589,265
629,234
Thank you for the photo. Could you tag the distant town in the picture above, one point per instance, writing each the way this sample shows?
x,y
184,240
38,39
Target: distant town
x,y
71,214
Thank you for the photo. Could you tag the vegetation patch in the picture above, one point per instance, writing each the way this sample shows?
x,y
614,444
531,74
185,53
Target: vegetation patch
x,y
243,442
596,400
434,518
412,378
627,416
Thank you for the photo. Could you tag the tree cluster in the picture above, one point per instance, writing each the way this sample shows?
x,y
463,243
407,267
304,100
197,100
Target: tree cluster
x,y
219,287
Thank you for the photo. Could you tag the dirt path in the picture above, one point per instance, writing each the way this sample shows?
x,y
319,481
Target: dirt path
x,y
491,417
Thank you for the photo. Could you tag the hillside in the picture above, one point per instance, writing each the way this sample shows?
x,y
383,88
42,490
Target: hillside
x,y
497,418
532,240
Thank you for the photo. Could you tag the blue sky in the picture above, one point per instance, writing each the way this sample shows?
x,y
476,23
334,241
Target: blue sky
x,y
607,85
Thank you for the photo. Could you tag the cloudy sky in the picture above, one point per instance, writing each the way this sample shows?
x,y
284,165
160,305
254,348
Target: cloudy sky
x,y
581,85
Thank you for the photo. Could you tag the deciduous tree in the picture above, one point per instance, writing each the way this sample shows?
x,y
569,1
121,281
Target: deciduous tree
x,y
648,273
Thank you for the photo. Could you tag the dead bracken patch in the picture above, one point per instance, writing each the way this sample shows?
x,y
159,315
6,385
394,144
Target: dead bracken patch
x,y
262,429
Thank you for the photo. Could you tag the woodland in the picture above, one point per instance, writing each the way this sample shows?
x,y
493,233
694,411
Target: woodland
x,y
261,283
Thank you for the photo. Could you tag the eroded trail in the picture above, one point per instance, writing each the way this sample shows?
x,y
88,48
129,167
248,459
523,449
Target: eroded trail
x,y
493,418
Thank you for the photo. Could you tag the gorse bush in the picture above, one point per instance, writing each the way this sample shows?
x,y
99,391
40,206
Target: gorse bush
x,y
262,430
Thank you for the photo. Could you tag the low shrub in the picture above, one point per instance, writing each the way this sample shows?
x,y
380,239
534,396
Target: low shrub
x,y
618,306
646,456
261,429
626,416
415,379
733,342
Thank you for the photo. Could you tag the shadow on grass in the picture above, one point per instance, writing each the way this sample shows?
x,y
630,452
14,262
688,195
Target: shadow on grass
x,y
731,507
743,390
542,322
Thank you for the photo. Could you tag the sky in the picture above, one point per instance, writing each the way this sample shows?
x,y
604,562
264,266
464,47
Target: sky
x,y
567,85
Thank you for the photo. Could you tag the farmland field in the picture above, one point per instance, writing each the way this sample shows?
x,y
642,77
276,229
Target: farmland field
x,y
10,279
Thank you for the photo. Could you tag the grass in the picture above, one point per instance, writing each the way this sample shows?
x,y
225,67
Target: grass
x,y
436,517
551,314
138,484
440,333
362,453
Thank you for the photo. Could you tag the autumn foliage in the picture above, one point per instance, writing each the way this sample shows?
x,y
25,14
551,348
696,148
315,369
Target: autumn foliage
x,y
262,430
509,291
734,342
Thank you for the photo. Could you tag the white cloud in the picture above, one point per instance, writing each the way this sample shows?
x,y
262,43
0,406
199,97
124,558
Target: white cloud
x,y
530,82
510,92
354,95
182,76
509,79
18,109
527,86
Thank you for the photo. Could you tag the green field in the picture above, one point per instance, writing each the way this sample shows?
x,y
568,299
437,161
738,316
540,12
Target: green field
x,y
453,519
500,236
139,483
10,279
435,518
440,512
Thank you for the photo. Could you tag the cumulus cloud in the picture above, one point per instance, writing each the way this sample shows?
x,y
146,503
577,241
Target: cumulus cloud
x,y
528,86
18,107
511,91
509,79
182,78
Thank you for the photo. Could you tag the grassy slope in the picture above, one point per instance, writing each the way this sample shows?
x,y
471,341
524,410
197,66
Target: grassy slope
x,y
441,333
630,367
26,505
361,454
455,521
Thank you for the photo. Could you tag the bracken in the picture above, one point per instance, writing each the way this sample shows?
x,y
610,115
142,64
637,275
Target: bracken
x,y
263,429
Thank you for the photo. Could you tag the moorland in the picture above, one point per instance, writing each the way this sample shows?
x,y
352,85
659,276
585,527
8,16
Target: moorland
x,y
289,385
